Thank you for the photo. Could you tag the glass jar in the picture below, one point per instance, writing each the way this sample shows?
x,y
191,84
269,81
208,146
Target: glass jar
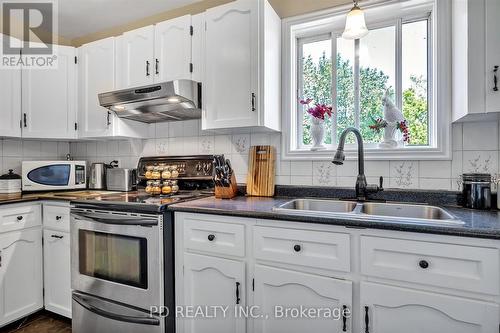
x,y
175,186
174,171
156,187
149,187
167,188
166,174
156,174
149,172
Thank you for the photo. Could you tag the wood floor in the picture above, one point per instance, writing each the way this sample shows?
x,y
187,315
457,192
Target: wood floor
x,y
40,322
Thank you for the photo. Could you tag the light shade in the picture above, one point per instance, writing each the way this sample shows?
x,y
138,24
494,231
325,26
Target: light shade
x,y
355,25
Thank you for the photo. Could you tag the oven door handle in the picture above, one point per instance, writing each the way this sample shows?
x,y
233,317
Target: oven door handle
x,y
122,220
96,306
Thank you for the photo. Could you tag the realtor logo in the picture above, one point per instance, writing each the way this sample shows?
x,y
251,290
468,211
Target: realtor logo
x,y
29,31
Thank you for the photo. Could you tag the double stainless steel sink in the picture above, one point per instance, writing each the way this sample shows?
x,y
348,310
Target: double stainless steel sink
x,y
373,211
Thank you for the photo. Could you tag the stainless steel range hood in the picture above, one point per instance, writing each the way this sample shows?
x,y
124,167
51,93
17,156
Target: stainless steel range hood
x,y
160,102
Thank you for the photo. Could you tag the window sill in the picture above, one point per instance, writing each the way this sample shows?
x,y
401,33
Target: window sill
x,y
407,153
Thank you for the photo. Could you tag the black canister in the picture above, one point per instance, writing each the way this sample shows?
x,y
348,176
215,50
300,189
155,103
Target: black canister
x,y
476,190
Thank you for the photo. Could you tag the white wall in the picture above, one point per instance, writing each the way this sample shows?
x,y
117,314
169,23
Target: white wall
x,y
13,151
475,148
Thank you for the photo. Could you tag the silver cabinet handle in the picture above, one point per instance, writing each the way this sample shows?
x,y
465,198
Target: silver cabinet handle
x,y
157,66
114,219
253,101
147,67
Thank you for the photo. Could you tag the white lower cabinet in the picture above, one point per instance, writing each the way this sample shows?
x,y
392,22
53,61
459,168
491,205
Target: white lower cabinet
x,y
288,301
210,281
21,291
387,309
383,281
57,272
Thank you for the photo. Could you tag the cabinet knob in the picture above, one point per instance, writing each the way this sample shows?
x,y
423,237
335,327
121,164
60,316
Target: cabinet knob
x,y
297,248
20,218
423,264
58,218
211,237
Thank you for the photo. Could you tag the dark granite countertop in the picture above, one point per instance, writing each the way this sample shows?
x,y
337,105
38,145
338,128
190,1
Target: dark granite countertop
x,y
6,199
481,224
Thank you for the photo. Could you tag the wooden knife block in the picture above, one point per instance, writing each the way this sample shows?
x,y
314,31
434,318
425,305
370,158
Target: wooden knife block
x,y
261,171
230,192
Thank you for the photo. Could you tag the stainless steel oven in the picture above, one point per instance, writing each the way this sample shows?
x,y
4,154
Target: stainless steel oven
x,y
117,273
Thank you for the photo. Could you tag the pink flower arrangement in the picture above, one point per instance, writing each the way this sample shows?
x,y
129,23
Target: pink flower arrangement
x,y
319,111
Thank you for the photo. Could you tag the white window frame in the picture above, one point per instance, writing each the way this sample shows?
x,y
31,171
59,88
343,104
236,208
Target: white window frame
x,y
378,14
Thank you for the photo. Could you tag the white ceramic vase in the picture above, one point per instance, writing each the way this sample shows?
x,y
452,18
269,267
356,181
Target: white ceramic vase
x,y
317,133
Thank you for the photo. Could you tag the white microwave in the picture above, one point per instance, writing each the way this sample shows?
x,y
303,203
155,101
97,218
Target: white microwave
x,y
54,175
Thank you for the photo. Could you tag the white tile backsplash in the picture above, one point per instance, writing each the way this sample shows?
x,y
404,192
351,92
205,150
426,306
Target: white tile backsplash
x,y
480,136
435,169
14,151
475,148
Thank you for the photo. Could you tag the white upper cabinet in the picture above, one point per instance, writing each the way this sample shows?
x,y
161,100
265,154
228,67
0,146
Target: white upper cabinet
x,y
10,101
49,98
198,46
242,66
474,59
492,55
172,49
96,74
137,57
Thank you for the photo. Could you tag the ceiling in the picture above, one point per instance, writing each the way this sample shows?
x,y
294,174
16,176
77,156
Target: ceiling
x,y
82,17
287,8
86,20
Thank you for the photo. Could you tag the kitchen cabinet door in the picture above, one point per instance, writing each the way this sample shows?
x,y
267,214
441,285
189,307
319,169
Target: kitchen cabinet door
x,y
57,272
210,281
96,74
49,98
231,65
10,101
198,47
386,309
137,57
173,49
278,290
492,55
20,274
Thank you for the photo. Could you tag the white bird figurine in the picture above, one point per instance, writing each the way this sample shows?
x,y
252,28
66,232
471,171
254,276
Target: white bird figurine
x,y
391,113
393,116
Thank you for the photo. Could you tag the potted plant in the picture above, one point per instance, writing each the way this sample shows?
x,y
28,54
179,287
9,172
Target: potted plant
x,y
318,113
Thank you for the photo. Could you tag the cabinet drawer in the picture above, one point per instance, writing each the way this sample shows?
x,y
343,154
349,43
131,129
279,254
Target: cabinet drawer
x,y
214,237
316,249
56,217
444,265
19,217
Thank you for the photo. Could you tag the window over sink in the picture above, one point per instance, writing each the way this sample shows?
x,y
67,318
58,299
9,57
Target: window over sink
x,y
398,59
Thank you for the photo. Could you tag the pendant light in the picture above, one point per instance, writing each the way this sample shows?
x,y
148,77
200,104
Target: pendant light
x,y
355,25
